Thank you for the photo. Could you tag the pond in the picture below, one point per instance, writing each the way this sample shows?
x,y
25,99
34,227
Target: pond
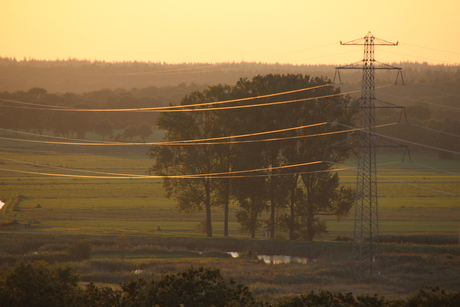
x,y
276,259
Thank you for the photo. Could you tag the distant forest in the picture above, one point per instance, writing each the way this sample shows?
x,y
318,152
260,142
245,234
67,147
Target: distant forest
x,y
79,76
431,95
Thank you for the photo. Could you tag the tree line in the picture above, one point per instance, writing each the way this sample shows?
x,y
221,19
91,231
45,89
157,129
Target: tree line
x,y
294,198
30,111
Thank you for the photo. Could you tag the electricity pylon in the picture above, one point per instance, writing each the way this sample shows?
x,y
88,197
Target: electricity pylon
x,y
366,228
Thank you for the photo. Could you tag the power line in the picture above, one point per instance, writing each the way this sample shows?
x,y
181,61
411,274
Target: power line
x,y
419,57
409,142
436,169
77,176
431,48
53,137
162,109
200,141
212,175
183,142
188,70
131,176
433,91
410,99
434,130
421,187
403,182
416,100
171,110
172,177
32,104
418,144
70,169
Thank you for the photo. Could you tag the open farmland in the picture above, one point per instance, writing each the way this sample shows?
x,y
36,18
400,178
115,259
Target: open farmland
x,y
135,230
414,198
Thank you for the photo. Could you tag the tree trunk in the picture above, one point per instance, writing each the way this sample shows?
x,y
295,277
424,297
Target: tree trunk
x,y
226,202
272,211
208,207
272,220
310,228
292,209
292,217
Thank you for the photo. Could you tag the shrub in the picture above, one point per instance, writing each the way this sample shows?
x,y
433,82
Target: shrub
x,y
191,287
434,296
38,284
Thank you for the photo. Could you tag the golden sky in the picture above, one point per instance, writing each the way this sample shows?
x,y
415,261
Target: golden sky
x,y
176,31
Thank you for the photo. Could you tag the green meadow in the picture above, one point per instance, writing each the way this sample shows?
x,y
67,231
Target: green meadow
x,y
135,231
415,197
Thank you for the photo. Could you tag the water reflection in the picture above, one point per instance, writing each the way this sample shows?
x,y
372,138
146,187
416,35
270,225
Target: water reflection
x,y
276,259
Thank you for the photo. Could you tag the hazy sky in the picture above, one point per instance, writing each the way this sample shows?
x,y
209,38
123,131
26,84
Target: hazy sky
x,y
176,31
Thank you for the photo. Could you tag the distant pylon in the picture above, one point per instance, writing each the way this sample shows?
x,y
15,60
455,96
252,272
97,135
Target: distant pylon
x,y
366,249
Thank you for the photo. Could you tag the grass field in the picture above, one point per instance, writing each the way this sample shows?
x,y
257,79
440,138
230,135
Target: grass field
x,y
414,198
122,217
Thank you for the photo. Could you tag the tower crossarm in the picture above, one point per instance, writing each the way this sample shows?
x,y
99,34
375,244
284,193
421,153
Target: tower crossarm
x,y
362,65
369,39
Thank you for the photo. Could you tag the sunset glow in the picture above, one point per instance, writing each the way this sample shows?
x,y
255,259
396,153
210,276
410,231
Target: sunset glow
x,y
176,31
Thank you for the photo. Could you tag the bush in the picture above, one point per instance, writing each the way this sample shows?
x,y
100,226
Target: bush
x,y
38,284
434,296
192,287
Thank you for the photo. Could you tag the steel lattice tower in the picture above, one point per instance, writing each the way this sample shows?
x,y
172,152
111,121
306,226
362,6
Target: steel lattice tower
x,y
366,227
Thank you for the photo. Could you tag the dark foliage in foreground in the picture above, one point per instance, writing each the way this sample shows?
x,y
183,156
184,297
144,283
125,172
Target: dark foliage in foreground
x,y
429,297
39,284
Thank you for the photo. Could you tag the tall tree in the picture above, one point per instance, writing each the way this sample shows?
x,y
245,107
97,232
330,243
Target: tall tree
x,y
270,190
314,180
192,194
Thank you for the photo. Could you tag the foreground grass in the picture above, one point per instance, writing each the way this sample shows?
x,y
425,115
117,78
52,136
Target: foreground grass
x,y
404,268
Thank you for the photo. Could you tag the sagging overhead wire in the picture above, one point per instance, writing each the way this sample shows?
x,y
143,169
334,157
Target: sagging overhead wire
x,y
230,174
434,130
403,182
199,141
54,137
188,70
183,142
435,169
71,169
161,109
408,142
73,176
420,101
433,91
410,99
419,57
170,110
222,175
32,104
429,48
173,177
